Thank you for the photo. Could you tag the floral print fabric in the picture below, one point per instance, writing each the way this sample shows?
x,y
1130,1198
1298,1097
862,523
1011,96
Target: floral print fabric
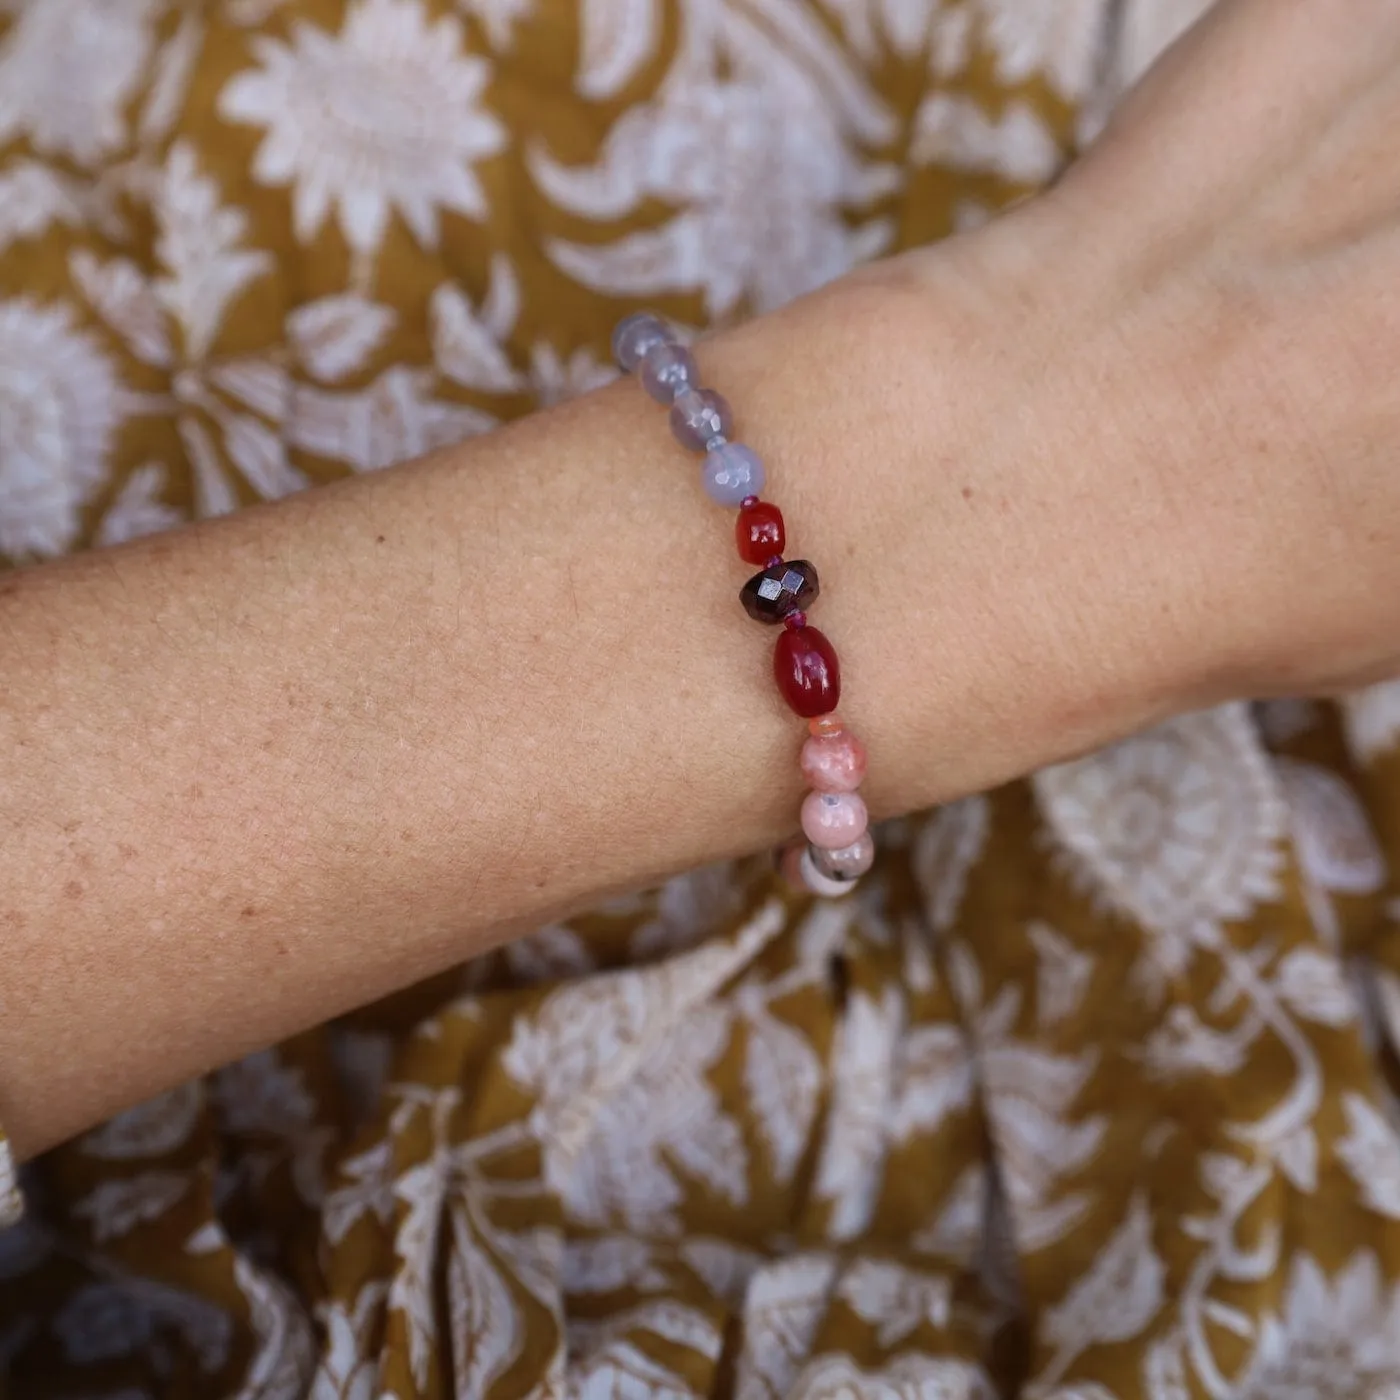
x,y
1089,1093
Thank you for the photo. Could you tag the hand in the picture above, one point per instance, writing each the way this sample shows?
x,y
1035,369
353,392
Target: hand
x,y
1212,328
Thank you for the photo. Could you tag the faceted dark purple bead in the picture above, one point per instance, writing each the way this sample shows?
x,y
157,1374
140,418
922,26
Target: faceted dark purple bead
x,y
780,589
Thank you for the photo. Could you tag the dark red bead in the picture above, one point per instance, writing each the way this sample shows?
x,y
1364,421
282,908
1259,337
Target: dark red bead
x,y
807,672
795,619
759,532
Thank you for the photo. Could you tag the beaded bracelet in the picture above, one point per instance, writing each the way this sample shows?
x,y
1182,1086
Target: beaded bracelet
x,y
839,848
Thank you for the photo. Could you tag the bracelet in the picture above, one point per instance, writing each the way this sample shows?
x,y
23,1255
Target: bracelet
x,y
839,848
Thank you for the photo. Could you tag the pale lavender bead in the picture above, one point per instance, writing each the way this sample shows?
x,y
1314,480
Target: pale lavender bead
x,y
667,370
699,415
817,881
832,820
847,862
636,335
732,472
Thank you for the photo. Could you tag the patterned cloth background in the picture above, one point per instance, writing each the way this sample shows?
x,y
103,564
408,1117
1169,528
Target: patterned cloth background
x,y
1089,1094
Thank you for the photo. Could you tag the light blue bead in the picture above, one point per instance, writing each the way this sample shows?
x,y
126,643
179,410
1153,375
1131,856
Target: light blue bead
x,y
731,472
636,335
668,370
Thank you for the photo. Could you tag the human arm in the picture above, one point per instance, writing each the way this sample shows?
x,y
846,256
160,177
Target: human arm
x,y
1057,486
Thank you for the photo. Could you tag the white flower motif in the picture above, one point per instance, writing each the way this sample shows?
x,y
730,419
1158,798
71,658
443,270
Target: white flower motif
x,y
383,116
763,166
1335,1338
68,68
1179,828
60,407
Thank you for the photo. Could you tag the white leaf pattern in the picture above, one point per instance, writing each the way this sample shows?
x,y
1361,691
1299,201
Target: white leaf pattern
x,y
138,509
852,1156
468,349
1370,1151
335,336
1120,1293
123,297
783,1077
118,1206
205,269
1310,982
33,197
1062,974
784,1307
487,1332
618,37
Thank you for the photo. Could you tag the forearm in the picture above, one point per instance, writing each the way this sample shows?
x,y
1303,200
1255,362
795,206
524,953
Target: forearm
x,y
266,769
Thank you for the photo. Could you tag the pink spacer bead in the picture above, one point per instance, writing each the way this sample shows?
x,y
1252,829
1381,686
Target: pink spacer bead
x,y
834,762
834,820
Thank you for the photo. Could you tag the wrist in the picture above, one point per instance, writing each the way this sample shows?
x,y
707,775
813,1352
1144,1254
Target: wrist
x,y
987,541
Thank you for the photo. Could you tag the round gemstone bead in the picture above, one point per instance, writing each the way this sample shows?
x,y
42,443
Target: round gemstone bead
x,y
817,881
668,370
759,532
846,862
731,473
796,618
832,820
807,672
697,416
636,335
772,593
835,762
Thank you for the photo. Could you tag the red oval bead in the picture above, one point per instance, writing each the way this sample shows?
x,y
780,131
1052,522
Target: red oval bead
x,y
759,532
807,672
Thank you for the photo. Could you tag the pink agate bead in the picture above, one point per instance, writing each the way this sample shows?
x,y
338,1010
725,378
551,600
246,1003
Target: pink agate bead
x,y
834,762
833,820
